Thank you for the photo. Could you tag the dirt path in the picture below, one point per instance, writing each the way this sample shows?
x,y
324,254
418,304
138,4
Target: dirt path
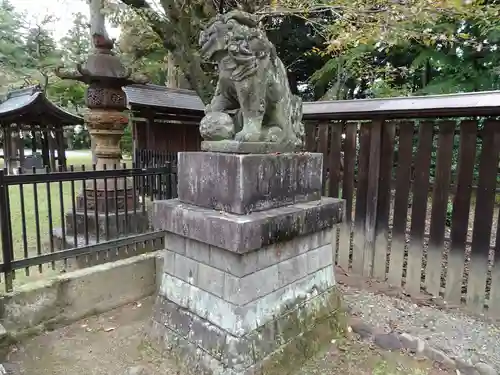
x,y
110,344
107,344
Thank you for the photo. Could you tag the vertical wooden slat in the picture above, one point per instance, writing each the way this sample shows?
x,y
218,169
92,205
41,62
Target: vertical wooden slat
x,y
323,148
334,158
494,300
334,175
52,156
403,177
384,199
347,193
149,120
310,128
372,196
361,184
135,141
461,208
419,207
7,148
439,204
483,215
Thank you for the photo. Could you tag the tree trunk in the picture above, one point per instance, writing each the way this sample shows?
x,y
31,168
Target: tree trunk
x,y
175,77
97,21
179,35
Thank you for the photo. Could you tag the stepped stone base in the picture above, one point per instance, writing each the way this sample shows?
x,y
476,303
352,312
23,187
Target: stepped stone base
x,y
246,294
100,257
244,233
278,347
119,224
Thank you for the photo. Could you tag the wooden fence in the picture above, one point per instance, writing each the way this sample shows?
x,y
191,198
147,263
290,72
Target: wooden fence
x,y
420,179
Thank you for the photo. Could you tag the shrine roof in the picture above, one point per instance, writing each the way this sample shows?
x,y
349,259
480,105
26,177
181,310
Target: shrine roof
x,y
162,98
30,106
463,104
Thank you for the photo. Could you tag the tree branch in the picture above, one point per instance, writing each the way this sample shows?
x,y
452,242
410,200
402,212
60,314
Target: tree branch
x,y
177,32
144,10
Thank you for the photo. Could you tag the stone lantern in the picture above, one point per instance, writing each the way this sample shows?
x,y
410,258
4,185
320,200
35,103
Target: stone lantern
x,y
106,120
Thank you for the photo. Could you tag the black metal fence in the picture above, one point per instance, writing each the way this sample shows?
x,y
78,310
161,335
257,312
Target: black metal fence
x,y
154,158
54,222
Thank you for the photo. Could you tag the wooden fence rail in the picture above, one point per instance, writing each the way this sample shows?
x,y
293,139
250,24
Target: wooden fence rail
x,y
406,168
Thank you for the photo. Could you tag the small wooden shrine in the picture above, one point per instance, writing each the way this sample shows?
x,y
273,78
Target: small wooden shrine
x,y
164,120
28,112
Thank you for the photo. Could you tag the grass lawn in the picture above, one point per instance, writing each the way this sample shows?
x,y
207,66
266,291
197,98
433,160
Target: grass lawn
x,y
30,239
77,158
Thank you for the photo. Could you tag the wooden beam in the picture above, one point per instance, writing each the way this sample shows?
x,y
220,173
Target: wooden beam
x,y
45,149
454,105
134,142
51,151
7,147
33,141
61,148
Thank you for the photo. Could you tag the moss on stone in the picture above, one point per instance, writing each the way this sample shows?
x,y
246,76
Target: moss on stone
x,y
300,319
326,325
279,347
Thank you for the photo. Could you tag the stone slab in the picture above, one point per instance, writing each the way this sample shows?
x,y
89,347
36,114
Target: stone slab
x,y
244,233
184,335
72,296
240,320
247,183
244,264
235,147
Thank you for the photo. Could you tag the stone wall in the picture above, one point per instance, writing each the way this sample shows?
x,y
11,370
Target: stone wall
x,y
233,307
74,295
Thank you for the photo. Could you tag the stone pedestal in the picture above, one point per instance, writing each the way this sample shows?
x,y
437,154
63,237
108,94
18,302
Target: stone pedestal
x,y
248,283
121,220
242,184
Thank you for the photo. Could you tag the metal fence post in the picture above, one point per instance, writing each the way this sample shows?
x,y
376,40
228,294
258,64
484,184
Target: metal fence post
x,y
5,224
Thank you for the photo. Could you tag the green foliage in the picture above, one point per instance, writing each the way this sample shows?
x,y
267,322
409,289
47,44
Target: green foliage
x,y
13,56
75,48
76,43
142,49
29,55
79,138
68,94
294,38
126,143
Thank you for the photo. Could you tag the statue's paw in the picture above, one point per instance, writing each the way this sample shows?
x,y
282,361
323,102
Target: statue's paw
x,y
244,136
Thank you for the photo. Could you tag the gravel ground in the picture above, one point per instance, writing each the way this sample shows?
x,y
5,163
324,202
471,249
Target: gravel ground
x,y
111,344
455,333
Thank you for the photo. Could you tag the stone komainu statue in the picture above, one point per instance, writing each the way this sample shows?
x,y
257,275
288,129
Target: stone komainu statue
x,y
252,86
